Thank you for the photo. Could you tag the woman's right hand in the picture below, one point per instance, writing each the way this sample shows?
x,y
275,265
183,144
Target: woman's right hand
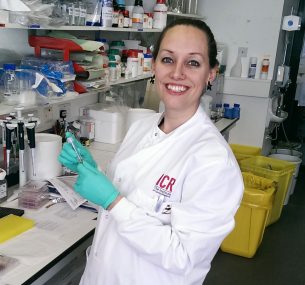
x,y
69,158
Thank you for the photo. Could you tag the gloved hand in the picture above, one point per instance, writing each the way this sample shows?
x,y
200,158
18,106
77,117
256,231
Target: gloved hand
x,y
68,157
94,186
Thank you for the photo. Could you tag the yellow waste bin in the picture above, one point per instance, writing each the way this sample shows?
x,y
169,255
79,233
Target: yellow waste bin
x,y
242,152
251,217
279,171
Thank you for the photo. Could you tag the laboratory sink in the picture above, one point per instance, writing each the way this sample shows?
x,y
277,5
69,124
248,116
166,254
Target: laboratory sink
x,y
280,118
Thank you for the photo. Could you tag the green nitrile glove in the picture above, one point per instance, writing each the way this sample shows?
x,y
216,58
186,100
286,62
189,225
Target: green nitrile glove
x,y
68,157
94,186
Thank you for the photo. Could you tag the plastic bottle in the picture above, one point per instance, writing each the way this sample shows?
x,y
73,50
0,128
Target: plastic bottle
x,y
121,19
145,21
228,112
252,67
115,15
87,126
132,62
225,106
116,54
82,14
147,64
140,62
160,15
123,63
236,111
126,19
219,110
137,15
107,11
112,71
76,13
265,68
10,81
119,45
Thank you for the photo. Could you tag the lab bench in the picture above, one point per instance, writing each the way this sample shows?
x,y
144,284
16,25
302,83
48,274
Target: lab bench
x,y
61,235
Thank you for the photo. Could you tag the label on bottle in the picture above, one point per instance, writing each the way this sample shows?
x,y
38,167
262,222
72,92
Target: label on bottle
x,y
252,70
137,18
160,18
107,16
121,21
145,21
126,22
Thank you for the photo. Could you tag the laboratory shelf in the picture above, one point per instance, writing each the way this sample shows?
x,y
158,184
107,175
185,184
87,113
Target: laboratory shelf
x,y
77,28
133,79
247,86
6,109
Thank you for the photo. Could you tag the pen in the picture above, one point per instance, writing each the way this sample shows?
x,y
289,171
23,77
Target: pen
x,y
70,141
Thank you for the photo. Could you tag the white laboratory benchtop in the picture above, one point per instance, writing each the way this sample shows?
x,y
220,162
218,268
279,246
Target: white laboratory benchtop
x,y
57,237
60,233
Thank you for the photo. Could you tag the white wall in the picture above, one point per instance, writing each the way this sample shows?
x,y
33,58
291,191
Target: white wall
x,y
245,23
255,25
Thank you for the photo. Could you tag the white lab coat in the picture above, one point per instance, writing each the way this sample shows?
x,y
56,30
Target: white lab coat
x,y
181,191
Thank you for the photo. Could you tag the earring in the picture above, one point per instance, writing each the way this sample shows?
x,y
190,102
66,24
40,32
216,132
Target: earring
x,y
209,86
152,79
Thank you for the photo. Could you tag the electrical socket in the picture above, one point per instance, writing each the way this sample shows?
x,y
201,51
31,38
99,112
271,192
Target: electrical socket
x,y
242,51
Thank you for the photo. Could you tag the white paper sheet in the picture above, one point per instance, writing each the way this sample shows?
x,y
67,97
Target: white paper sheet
x,y
64,185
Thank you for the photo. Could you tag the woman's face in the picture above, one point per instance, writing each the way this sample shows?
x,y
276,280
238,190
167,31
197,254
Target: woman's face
x,y
182,68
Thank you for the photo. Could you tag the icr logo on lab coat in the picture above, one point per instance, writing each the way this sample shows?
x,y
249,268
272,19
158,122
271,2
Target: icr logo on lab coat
x,y
164,185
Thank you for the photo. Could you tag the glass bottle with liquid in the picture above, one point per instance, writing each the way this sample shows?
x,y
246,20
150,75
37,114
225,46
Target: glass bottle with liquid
x,y
137,15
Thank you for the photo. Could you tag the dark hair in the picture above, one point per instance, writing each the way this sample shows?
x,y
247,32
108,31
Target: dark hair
x,y
202,26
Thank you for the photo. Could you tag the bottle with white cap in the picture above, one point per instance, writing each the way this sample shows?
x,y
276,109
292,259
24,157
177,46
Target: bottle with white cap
x,y
265,68
252,67
160,15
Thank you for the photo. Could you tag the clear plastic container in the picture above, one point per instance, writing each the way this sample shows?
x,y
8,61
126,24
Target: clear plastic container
x,y
33,195
11,83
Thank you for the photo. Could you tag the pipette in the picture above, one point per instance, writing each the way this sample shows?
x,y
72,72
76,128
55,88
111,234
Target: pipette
x,y
9,128
70,141
21,142
30,129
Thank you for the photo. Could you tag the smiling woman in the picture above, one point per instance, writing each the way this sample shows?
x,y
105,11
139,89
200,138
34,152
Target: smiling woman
x,y
173,188
184,63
